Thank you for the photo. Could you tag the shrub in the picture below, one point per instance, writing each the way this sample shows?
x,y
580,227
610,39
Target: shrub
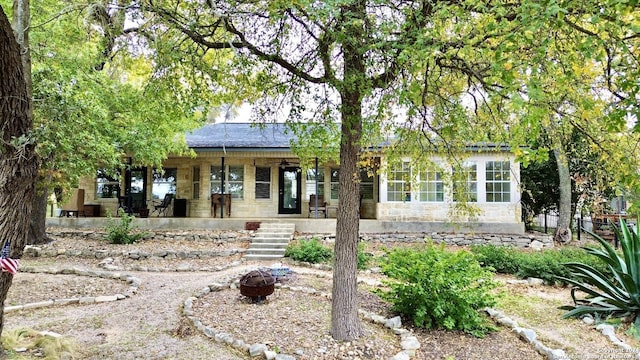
x,y
311,251
363,257
615,296
501,258
120,232
436,288
548,264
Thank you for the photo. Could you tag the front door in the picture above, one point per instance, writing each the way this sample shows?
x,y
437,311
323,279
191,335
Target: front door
x,y
290,190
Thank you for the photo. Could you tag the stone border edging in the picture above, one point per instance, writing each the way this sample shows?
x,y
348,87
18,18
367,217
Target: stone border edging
x,y
527,334
408,343
133,288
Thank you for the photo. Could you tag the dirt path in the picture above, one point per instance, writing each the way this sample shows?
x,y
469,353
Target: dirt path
x,y
149,325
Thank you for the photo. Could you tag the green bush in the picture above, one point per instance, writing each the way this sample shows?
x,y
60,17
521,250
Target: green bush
x,y
120,232
609,296
439,289
311,251
548,264
363,257
501,258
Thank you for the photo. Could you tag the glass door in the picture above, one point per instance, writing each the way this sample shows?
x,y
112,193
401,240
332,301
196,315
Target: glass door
x,y
290,186
135,190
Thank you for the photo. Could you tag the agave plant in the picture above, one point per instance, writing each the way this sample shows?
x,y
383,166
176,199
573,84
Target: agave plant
x,y
616,294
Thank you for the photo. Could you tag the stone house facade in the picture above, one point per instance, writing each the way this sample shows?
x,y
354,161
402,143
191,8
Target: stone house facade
x,y
256,169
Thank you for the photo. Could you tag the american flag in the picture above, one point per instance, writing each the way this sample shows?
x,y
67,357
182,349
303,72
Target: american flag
x,y
8,264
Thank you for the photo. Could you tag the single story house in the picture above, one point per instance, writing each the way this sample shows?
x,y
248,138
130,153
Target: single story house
x,y
250,172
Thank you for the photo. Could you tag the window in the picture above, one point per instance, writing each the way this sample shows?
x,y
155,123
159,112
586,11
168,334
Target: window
x,y
263,183
431,186
107,184
196,182
164,182
335,183
234,181
498,185
465,185
366,185
311,182
398,182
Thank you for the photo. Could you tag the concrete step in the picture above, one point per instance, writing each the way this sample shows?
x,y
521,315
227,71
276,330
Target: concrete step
x,y
268,245
270,241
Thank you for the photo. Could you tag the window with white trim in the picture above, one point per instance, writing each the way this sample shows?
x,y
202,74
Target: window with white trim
x,y
498,181
465,185
431,186
398,182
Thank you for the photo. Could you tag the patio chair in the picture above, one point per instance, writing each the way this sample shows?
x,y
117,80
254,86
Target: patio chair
x,y
162,206
217,200
321,205
124,205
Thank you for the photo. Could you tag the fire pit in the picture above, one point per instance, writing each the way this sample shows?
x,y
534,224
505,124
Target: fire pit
x,y
257,285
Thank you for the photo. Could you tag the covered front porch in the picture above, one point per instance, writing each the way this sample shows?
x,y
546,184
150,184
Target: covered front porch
x,y
302,225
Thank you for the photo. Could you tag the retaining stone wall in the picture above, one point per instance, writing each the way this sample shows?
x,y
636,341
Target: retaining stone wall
x,y
195,235
519,240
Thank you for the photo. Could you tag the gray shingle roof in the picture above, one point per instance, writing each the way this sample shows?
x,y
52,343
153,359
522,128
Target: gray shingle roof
x,y
240,136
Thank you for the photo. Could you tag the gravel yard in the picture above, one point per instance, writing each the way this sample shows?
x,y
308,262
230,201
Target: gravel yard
x,y
151,324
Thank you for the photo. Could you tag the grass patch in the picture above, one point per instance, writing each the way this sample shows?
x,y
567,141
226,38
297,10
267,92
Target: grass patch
x,y
36,344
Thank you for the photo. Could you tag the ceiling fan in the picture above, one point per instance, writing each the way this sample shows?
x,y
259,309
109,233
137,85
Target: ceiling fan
x,y
284,163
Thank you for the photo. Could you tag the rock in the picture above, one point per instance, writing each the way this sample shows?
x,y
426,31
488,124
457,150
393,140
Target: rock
x,y
536,245
588,320
535,281
257,349
401,356
285,357
410,343
394,322
270,355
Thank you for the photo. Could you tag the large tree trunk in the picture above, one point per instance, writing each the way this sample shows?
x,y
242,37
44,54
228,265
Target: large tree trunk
x,y
37,226
21,22
563,230
345,323
18,165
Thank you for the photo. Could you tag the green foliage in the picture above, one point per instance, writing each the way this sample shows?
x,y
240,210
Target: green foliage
x,y
363,257
548,264
120,232
615,296
501,258
311,251
436,288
